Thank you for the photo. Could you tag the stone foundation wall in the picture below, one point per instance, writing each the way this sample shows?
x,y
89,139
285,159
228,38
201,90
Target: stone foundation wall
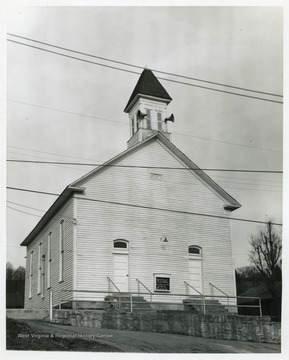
x,y
214,326
37,314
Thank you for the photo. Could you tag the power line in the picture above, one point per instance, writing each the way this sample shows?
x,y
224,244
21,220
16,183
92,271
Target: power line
x,y
23,212
63,216
140,67
232,180
145,167
28,207
69,112
28,213
266,190
42,157
50,153
126,124
240,183
143,206
241,178
227,142
134,72
12,153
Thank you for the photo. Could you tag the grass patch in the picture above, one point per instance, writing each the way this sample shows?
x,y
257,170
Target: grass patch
x,y
21,336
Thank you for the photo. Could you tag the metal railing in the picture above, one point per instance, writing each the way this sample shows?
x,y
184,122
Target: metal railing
x,y
50,305
212,286
111,282
138,287
109,289
157,298
200,294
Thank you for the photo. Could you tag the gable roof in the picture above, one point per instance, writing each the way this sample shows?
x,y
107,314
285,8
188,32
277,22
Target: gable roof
x,y
148,85
230,203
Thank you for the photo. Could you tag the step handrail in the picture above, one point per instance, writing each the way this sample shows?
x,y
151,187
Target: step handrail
x,y
139,282
202,296
168,295
212,291
110,281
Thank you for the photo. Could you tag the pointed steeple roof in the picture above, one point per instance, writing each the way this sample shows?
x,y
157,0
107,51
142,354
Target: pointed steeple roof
x,y
148,85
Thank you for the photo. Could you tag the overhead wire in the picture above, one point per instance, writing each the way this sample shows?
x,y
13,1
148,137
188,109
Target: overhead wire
x,y
50,153
231,181
241,183
146,167
134,72
78,157
241,178
126,124
23,212
42,157
141,67
43,211
142,206
36,215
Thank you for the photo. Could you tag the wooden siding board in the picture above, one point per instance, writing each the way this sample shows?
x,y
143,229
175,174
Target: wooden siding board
x,y
36,302
100,223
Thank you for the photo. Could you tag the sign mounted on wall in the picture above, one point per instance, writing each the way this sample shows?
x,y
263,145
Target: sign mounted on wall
x,y
162,283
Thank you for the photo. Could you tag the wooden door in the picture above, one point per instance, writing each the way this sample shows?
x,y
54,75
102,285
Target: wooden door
x,y
195,276
120,271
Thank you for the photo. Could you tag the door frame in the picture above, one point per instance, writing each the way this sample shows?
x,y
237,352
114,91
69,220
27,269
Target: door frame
x,y
122,251
199,257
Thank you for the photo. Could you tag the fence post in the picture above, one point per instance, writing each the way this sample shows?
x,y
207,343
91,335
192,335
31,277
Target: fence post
x,y
60,299
50,306
212,290
131,309
204,304
260,306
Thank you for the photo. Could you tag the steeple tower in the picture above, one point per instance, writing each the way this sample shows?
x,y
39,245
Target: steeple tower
x,y
147,108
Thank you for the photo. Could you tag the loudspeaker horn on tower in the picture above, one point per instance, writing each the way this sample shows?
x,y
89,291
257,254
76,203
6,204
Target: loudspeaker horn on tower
x,y
170,118
141,115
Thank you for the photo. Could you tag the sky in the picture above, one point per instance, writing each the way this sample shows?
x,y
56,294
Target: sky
x,y
63,109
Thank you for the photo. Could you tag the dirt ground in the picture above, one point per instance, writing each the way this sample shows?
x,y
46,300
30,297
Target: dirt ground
x,y
146,342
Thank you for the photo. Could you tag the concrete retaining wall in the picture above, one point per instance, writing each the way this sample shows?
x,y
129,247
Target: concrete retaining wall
x,y
215,326
27,314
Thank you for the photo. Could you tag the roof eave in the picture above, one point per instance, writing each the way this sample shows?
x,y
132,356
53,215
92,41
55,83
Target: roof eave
x,y
62,198
232,207
230,203
139,95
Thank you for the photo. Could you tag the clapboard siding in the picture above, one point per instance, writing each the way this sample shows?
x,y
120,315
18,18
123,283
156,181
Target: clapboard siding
x,y
36,301
99,223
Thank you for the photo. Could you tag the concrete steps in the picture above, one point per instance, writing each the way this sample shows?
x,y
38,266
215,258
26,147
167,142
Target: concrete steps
x,y
122,303
211,306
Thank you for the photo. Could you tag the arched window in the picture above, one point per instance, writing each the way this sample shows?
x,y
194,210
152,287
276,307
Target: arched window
x,y
195,250
120,244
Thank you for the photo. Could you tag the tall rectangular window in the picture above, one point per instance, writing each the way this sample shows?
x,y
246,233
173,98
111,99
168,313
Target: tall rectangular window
x,y
39,268
61,250
138,120
160,122
42,276
148,117
132,126
30,274
49,261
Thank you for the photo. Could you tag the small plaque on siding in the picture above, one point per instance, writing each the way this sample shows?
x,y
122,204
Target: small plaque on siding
x,y
156,177
162,284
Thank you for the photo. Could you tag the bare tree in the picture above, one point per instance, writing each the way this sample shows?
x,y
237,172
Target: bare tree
x,y
266,256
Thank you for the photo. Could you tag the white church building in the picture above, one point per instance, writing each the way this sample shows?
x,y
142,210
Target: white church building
x,y
147,220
